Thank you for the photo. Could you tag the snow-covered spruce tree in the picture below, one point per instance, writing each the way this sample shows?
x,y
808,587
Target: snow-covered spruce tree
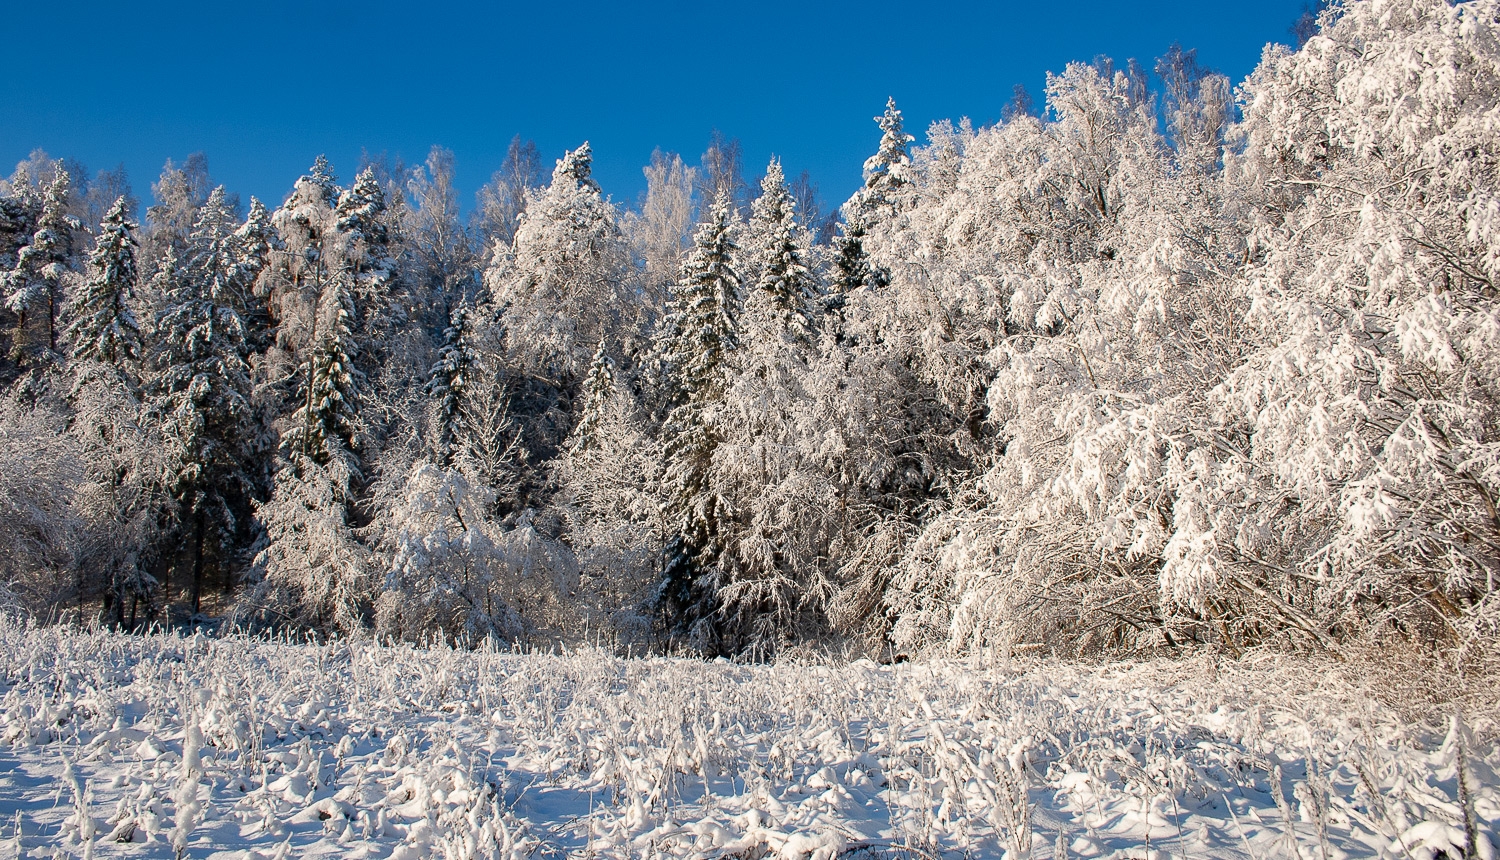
x,y
299,265
873,207
212,252
104,327
458,360
598,388
365,252
564,288
701,329
314,572
119,501
198,391
255,241
20,207
781,300
779,505
888,171
35,287
609,481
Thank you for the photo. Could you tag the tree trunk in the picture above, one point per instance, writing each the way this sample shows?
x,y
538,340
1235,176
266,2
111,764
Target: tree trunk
x,y
197,560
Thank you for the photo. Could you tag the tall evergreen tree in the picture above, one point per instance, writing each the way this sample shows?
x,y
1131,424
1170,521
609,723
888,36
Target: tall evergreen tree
x,y
256,240
597,389
35,287
119,501
368,261
199,394
701,329
446,385
565,288
104,328
888,171
785,287
313,571
887,176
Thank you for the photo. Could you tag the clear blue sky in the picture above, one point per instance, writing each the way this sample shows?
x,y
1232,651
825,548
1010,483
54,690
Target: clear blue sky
x,y
263,87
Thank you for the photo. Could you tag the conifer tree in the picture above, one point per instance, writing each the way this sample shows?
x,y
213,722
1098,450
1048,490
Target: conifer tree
x,y
104,328
887,176
360,218
325,425
313,571
597,389
199,395
447,381
255,239
35,287
212,249
785,288
564,288
701,329
888,171
119,501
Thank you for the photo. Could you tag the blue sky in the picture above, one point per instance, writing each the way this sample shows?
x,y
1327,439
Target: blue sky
x,y
263,87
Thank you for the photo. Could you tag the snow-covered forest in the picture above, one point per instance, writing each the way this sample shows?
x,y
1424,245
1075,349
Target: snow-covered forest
x,y
1168,361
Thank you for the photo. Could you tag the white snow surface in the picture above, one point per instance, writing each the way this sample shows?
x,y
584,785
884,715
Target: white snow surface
x,y
165,745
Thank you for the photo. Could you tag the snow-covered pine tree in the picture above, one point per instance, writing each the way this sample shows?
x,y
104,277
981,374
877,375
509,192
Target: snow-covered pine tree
x,y
119,501
366,255
776,497
104,328
325,425
212,252
458,360
254,240
701,329
198,393
888,171
20,207
314,572
564,288
294,280
888,178
598,388
36,286
785,288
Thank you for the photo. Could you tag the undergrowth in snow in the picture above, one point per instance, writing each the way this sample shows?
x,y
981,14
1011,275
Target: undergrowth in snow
x,y
166,745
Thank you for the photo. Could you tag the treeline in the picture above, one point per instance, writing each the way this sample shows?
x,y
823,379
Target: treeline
x,y
1154,369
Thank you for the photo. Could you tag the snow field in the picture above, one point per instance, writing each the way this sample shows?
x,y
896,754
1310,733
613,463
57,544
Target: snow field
x,y
164,745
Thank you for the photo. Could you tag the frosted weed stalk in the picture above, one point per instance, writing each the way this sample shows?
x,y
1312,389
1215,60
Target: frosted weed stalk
x,y
231,743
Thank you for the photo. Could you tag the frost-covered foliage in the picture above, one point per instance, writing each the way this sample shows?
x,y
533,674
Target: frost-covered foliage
x,y
563,287
1224,406
113,745
1137,372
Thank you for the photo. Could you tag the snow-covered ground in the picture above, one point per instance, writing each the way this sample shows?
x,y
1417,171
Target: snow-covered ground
x,y
128,746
